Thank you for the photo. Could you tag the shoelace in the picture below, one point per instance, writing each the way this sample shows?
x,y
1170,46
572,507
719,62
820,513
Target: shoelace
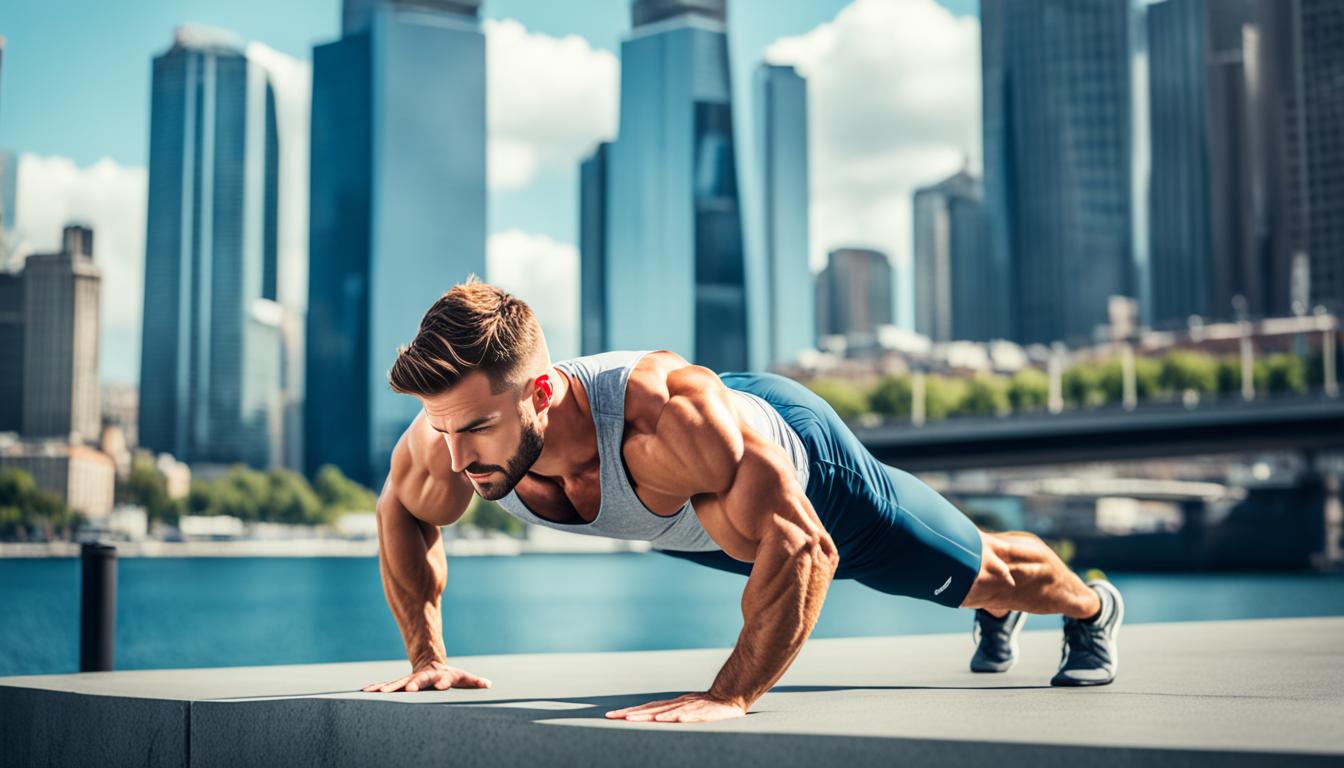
x,y
980,620
1083,636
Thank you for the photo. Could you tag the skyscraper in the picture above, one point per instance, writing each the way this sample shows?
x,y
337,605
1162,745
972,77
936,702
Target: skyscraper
x,y
957,295
1301,68
676,277
1200,218
210,359
854,295
593,204
1058,159
11,351
60,362
397,211
788,317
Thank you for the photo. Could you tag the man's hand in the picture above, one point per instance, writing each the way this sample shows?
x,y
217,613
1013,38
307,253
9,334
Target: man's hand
x,y
434,674
686,708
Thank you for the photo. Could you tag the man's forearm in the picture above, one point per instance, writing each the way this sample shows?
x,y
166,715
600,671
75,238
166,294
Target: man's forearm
x,y
414,574
780,605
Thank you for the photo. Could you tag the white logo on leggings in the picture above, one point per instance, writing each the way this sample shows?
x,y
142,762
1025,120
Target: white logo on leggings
x,y
939,590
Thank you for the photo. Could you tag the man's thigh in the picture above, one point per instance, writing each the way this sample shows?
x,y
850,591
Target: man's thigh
x,y
930,550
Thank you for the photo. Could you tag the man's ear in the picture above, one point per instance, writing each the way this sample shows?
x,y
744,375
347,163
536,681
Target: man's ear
x,y
543,383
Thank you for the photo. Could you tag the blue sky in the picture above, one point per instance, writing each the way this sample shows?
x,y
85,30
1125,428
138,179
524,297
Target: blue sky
x,y
69,60
76,86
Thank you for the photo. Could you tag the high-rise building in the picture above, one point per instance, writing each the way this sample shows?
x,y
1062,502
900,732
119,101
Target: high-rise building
x,y
1058,159
786,316
11,351
60,332
854,295
957,294
1300,57
1202,227
210,359
593,251
676,276
397,212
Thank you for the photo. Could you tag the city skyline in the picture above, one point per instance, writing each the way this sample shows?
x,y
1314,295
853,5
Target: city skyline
x,y
536,222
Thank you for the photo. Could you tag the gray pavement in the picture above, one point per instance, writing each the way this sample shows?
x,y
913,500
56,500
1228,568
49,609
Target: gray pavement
x,y
1200,693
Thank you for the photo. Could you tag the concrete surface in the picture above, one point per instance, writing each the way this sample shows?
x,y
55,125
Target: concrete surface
x,y
1206,693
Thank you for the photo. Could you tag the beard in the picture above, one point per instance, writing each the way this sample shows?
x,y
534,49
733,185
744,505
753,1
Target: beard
x,y
529,448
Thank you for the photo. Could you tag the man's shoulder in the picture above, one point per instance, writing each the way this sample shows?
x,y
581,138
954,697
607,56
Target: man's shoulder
x,y
658,377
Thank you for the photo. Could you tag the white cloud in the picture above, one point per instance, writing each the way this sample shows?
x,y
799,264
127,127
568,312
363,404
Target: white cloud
x,y
110,198
894,102
548,101
545,274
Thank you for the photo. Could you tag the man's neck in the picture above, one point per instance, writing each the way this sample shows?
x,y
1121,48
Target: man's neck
x,y
567,421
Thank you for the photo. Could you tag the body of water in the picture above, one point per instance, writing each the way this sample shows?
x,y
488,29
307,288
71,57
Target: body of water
x,y
210,612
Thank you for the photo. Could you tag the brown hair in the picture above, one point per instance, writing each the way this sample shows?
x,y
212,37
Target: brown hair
x,y
475,326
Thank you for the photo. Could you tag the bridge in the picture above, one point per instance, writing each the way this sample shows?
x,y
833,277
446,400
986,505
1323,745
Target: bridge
x,y
1305,424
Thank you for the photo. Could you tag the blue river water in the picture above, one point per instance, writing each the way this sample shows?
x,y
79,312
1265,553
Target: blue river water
x,y
208,612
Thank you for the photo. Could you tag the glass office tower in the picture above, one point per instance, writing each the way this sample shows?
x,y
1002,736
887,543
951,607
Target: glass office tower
x,y
1201,218
396,212
210,357
957,297
788,316
1058,159
593,251
675,269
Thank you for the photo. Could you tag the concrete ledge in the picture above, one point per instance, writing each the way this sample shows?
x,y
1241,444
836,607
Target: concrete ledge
x,y
1208,693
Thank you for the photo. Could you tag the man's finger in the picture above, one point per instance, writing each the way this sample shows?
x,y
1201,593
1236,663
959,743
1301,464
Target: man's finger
x,y
624,710
395,684
474,681
649,710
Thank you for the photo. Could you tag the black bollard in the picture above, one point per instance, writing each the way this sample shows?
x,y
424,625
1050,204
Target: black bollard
x,y
97,606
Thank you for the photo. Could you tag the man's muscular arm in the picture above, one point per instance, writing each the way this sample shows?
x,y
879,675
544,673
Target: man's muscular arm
x,y
745,490
412,506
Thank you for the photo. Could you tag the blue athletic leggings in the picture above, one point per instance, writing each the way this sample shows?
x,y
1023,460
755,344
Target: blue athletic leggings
x,y
894,533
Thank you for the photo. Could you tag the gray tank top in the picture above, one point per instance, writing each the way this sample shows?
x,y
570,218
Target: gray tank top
x,y
621,514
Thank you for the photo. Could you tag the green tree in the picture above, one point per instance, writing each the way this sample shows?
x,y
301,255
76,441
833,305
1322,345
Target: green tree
x,y
985,395
891,397
1283,373
1229,375
1147,379
848,400
291,500
1028,390
1182,370
146,487
27,511
340,493
1081,385
942,396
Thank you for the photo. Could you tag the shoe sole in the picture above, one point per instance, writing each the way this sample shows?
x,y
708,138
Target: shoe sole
x,y
1012,644
1115,636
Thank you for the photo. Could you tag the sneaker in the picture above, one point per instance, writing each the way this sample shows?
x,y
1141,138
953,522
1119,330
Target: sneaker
x,y
997,638
1090,655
